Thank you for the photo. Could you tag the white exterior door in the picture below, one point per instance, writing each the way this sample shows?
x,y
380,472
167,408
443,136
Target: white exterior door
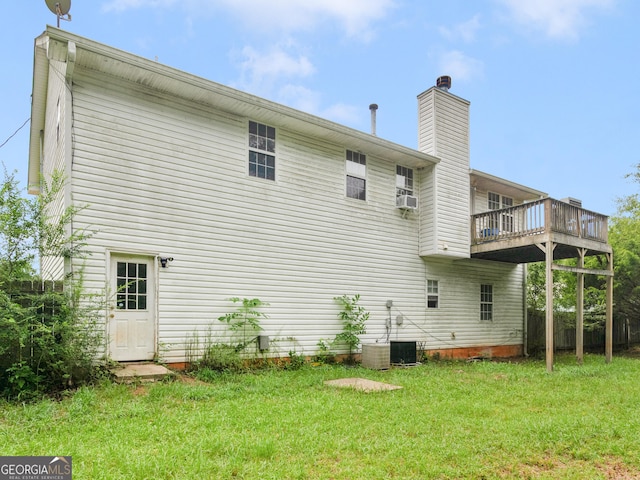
x,y
132,326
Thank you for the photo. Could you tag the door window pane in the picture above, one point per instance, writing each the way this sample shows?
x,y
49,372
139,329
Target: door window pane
x,y
131,282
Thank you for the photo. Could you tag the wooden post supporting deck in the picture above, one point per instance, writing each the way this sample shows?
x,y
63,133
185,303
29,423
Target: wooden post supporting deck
x,y
549,229
580,307
549,307
608,335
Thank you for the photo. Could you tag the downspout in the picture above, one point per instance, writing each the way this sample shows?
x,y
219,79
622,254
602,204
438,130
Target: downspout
x,y
40,175
41,159
68,140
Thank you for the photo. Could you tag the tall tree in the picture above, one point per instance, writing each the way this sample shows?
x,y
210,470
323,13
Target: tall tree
x,y
624,236
18,225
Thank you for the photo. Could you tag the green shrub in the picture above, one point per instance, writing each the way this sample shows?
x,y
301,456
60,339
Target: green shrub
x,y
353,318
48,339
324,353
244,323
296,361
221,358
49,342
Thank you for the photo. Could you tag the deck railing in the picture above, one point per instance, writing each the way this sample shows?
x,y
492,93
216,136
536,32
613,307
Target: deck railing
x,y
535,218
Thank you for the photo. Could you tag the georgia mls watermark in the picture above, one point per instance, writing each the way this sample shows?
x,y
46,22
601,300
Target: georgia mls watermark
x,y
35,468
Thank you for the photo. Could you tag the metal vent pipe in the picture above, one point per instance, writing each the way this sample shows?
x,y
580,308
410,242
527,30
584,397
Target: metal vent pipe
x,y
444,83
373,107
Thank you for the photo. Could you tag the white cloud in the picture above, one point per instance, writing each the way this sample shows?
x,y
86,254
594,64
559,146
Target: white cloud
x,y
272,71
460,66
275,62
261,69
122,5
355,17
310,101
300,97
465,31
563,19
343,113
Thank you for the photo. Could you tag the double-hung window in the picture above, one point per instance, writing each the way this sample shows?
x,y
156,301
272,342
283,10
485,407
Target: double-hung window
x,y
433,294
486,301
262,149
497,202
507,217
356,167
404,180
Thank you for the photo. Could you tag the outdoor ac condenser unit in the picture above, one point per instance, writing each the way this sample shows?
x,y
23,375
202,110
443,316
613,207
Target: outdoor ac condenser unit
x,y
376,356
407,202
403,353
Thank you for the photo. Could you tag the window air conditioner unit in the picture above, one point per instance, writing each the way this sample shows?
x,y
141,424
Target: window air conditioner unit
x,y
407,202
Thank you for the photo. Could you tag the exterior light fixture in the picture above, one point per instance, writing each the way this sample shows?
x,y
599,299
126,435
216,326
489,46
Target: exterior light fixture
x,y
164,261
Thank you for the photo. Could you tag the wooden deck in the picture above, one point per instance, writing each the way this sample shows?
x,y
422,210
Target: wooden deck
x,y
544,231
515,234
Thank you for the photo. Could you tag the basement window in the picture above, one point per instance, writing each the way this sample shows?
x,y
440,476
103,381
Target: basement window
x,y
262,144
486,302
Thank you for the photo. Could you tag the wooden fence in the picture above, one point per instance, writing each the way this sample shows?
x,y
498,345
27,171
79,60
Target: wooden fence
x,y
31,294
626,333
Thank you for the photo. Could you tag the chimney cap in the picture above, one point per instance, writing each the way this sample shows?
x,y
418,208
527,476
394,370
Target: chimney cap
x,y
373,106
444,83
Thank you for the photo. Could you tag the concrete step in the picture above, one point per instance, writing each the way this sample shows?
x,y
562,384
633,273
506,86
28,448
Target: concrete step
x,y
140,372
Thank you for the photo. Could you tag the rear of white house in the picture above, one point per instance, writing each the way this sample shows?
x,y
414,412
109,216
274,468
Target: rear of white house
x,y
198,192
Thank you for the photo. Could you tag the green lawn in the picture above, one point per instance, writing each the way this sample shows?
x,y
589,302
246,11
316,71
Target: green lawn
x,y
450,420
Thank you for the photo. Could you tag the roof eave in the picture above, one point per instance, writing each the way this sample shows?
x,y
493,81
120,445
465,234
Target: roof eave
x,y
517,190
38,108
175,82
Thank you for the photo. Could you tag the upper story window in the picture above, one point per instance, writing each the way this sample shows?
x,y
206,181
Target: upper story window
x,y
356,167
496,202
404,180
262,148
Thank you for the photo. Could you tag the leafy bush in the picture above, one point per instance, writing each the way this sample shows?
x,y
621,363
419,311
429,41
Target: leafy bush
x,y
245,321
296,361
49,342
221,358
353,318
48,339
324,353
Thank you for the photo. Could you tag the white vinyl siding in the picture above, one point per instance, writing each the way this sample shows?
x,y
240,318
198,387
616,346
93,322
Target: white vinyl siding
x,y
171,180
162,176
56,155
443,131
459,308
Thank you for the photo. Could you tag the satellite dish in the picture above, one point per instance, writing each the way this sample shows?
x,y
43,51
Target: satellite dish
x,y
60,8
